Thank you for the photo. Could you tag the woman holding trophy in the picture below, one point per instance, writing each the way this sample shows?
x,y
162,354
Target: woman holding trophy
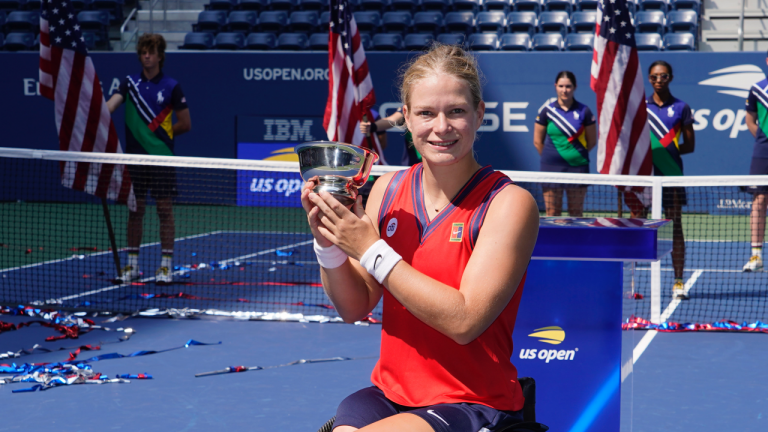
x,y
447,244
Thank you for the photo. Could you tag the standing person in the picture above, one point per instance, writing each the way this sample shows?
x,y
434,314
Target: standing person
x,y
151,98
670,118
411,156
563,135
451,267
757,123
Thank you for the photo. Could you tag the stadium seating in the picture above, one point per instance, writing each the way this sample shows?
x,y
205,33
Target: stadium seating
x,y
89,39
32,5
464,5
515,42
554,22
418,41
437,5
405,5
586,5
79,5
527,5
558,5
694,5
256,5
293,41
376,5
679,42
452,39
11,5
97,23
396,22
583,22
428,21
460,22
365,41
500,5
261,41
2,23
318,5
114,7
210,21
273,21
226,5
242,21
522,22
229,41
2,40
493,21
325,19
661,5
303,21
197,41
19,41
483,42
547,42
23,21
388,42
648,41
683,21
650,22
579,42
318,41
285,5
368,21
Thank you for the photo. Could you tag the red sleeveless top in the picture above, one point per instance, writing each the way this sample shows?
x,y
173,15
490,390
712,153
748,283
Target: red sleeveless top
x,y
420,366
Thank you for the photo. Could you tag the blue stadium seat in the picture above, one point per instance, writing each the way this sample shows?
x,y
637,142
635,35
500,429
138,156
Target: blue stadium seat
x,y
229,41
226,5
438,5
376,5
405,5
683,21
452,39
493,21
284,5
318,41
388,42
661,5
648,41
325,19
2,24
579,42
318,5
79,5
694,5
23,21
527,5
428,21
515,42
368,21
547,42
396,22
551,22
261,41
522,22
501,5
583,22
418,41
365,41
197,41
483,42
292,41
679,42
19,41
273,21
586,5
243,21
11,5
558,5
114,7
460,22
210,21
304,21
650,22
89,39
96,22
32,5
463,5
256,5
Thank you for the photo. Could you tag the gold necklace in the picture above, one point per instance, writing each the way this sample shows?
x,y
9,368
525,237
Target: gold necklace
x,y
433,206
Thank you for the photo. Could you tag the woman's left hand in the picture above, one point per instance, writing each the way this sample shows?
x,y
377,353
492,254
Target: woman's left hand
x,y
354,232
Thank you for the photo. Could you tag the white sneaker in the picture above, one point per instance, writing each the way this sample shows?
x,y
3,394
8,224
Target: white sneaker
x,y
163,276
754,264
678,291
130,274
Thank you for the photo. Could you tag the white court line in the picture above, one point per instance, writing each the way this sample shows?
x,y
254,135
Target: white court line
x,y
668,269
650,334
110,288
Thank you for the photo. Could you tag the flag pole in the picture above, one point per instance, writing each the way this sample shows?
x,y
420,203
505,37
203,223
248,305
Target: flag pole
x,y
111,233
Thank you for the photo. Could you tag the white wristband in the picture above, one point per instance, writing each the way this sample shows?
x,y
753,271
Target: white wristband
x,y
330,257
379,260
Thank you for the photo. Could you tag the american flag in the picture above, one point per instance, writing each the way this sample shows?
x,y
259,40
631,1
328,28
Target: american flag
x,y
624,146
83,121
350,90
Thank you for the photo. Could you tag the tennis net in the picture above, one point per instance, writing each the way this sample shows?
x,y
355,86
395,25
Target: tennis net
x,y
242,244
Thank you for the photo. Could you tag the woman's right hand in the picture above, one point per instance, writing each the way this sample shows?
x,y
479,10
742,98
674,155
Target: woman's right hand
x,y
313,213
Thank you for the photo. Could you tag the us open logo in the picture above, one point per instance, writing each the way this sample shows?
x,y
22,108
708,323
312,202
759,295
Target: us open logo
x,y
391,227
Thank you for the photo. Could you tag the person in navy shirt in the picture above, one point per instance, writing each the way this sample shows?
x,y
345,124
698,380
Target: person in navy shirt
x,y
563,135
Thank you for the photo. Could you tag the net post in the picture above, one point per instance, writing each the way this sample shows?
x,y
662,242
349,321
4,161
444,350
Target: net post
x,y
656,201
111,233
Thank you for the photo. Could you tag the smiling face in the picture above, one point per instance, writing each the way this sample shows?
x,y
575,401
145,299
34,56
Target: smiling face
x,y
565,89
442,118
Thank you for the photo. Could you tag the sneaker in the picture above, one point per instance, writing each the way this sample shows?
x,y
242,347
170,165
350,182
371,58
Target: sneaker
x,y
163,276
754,264
130,274
678,291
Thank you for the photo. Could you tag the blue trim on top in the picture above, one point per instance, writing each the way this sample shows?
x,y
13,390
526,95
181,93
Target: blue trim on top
x,y
389,196
422,219
476,222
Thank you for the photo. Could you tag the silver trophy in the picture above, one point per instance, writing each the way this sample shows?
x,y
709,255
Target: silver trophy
x,y
341,168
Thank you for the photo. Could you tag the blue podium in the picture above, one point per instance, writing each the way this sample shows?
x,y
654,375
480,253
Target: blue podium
x,y
568,334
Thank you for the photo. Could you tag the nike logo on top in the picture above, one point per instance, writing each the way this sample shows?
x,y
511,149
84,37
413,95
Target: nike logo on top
x,y
432,412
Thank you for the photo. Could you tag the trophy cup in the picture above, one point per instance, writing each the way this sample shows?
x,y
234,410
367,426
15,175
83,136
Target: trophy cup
x,y
341,168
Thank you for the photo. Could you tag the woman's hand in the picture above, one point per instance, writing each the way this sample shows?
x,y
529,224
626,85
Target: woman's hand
x,y
313,212
354,232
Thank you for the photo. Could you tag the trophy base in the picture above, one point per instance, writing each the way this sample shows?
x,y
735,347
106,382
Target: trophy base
x,y
339,187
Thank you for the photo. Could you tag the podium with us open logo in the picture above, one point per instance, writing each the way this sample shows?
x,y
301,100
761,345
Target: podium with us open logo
x,y
568,334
